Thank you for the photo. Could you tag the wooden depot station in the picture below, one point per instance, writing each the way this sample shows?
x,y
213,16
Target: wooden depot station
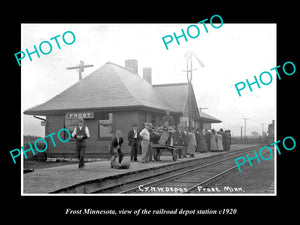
x,y
115,97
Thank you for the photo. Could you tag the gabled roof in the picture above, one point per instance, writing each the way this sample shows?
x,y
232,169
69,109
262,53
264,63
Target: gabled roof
x,y
177,94
110,86
209,118
114,87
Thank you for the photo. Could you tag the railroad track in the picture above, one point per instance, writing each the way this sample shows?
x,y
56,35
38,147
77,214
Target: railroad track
x,y
185,180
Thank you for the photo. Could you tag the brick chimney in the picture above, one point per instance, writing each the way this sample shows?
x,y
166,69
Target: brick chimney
x,y
147,74
132,65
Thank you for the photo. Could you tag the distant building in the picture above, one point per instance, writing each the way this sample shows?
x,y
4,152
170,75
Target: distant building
x,y
254,134
271,129
115,97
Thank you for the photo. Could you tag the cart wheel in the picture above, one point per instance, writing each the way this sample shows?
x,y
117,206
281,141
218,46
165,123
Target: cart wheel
x,y
156,155
159,154
174,156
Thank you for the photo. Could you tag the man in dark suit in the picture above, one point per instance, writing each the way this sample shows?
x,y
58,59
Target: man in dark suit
x,y
180,139
81,133
168,118
227,140
133,141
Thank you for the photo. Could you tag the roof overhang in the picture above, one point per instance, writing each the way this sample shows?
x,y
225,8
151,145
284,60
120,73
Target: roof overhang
x,y
209,120
111,109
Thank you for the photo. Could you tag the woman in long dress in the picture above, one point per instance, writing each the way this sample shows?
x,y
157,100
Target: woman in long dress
x,y
191,148
201,143
213,141
219,141
207,139
197,135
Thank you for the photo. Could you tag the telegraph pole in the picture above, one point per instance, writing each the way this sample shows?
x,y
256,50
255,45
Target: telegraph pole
x,y
245,119
262,129
81,67
189,76
241,132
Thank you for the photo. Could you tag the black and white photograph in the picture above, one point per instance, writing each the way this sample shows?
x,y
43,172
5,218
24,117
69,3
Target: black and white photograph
x,y
187,115
164,109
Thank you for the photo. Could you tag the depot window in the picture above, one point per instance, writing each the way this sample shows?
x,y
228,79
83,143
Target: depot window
x,y
105,125
70,124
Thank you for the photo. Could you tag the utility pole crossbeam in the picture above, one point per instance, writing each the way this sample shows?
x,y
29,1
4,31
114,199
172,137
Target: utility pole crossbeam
x,y
81,67
200,109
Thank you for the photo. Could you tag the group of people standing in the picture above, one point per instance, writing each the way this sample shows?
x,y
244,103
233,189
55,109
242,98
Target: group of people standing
x,y
197,140
188,141
136,139
211,140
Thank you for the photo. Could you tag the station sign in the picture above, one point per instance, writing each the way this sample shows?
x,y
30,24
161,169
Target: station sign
x,y
84,115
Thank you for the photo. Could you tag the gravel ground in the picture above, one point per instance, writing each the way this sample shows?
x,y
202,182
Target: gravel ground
x,y
256,179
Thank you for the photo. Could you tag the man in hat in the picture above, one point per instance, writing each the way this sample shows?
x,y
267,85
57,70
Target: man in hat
x,y
227,140
81,133
180,140
133,141
168,118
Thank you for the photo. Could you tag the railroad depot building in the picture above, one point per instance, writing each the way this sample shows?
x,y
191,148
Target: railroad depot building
x,y
115,97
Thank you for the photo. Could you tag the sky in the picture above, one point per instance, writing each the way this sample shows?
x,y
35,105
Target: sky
x,y
231,54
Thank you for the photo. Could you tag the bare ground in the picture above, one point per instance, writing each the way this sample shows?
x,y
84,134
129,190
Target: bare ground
x,y
256,179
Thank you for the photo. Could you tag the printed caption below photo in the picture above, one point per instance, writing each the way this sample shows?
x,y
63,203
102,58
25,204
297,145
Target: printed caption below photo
x,y
143,211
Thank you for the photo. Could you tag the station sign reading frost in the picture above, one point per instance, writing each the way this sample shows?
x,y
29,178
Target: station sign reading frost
x,y
84,115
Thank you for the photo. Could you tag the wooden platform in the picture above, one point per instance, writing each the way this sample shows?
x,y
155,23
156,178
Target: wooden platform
x,y
70,179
